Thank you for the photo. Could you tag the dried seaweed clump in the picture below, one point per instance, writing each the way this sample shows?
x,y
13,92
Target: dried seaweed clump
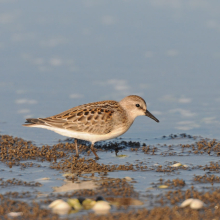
x,y
207,179
13,150
14,181
204,147
81,165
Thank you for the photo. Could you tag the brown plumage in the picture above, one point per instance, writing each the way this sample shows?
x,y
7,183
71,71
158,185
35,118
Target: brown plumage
x,y
95,121
98,117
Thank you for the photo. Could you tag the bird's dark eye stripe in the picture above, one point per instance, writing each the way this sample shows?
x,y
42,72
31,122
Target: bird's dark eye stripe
x,y
137,105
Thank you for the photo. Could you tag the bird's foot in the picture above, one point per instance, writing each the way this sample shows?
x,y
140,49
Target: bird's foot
x,y
116,151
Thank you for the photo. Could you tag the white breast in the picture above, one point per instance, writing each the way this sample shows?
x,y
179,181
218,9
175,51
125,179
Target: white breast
x,y
86,136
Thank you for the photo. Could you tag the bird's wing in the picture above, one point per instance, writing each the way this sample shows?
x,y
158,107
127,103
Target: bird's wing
x,y
95,118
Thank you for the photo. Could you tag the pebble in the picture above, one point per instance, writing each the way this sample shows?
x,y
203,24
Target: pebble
x,y
101,207
88,203
75,204
176,165
68,174
196,204
60,207
127,178
162,186
15,214
44,179
122,155
186,202
193,203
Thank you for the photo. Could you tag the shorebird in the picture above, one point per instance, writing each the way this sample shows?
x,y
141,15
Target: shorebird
x,y
97,121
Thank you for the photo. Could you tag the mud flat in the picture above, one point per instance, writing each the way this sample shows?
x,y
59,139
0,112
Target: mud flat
x,y
173,177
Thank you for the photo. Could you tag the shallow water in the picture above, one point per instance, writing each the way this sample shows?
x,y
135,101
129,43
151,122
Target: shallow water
x,y
146,183
57,55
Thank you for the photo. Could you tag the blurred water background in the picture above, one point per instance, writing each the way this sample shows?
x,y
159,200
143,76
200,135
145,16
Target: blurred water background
x,y
55,55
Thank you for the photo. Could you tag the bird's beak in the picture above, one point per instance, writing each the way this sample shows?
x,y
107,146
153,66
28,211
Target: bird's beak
x,y
148,114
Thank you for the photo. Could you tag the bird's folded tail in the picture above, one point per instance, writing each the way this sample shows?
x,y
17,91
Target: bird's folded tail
x,y
32,122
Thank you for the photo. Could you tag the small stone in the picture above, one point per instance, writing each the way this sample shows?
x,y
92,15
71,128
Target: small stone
x,y
196,204
122,155
176,165
54,203
101,207
88,203
15,214
68,174
75,204
136,202
60,207
186,202
193,203
163,186
127,178
45,179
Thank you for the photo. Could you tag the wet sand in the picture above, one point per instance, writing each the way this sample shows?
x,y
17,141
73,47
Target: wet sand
x,y
127,177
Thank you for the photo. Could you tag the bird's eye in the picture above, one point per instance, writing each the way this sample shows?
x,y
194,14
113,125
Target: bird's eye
x,y
137,105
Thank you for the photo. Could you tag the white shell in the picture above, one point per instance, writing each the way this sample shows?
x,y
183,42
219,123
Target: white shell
x,y
60,207
193,203
186,202
101,207
127,178
55,203
176,165
15,214
196,204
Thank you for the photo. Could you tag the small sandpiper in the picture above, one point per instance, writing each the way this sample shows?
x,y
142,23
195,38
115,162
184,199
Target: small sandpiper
x,y
97,121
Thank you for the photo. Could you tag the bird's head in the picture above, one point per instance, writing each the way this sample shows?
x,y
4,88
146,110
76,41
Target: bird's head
x,y
136,106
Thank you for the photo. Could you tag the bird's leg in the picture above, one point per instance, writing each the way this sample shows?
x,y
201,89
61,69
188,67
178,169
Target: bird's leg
x,y
77,152
116,151
93,150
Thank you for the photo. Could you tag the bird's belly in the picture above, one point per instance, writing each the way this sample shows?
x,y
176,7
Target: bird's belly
x,y
87,136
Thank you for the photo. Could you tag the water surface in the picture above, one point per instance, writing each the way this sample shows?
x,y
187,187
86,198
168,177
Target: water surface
x,y
56,55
